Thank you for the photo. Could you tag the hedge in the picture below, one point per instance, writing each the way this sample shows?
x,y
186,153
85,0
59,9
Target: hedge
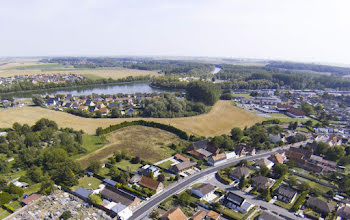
x,y
8,208
277,183
169,128
300,201
138,193
223,178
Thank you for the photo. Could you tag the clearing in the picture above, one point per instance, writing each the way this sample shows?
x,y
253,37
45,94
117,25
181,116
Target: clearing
x,y
147,143
220,120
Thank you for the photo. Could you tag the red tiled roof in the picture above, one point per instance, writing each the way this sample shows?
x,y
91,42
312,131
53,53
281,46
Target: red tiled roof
x,y
180,157
31,198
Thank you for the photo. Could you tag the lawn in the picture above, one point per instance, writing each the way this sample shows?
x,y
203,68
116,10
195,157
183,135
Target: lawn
x,y
236,215
91,143
323,189
165,164
15,204
32,189
127,165
147,143
284,205
88,183
222,117
3,213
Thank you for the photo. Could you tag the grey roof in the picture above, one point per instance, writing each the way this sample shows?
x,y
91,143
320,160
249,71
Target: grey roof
x,y
204,152
238,200
118,208
287,192
185,165
205,188
239,172
263,161
266,215
320,205
82,192
110,182
117,195
200,144
263,181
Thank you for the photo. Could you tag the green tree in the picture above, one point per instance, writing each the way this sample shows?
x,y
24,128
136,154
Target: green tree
x,y
35,174
47,186
65,176
95,198
4,166
236,134
66,215
94,166
201,91
99,131
184,199
264,170
38,100
266,194
280,170
242,182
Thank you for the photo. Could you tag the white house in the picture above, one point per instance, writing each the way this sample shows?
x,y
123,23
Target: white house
x,y
205,192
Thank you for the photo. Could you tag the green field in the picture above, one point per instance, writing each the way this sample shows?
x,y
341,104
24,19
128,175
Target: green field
x,y
166,164
88,183
91,143
127,165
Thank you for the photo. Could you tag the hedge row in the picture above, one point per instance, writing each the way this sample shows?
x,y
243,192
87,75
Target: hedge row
x,y
136,192
169,128
300,201
277,183
224,179
8,208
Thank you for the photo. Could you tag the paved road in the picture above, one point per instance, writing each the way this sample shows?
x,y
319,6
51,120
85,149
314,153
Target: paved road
x,y
147,206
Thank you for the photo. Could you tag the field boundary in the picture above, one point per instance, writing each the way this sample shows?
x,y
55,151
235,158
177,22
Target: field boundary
x,y
180,133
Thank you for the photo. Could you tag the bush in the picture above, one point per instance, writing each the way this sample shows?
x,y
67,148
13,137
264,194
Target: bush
x,y
136,192
8,208
277,183
300,201
224,179
5,198
66,215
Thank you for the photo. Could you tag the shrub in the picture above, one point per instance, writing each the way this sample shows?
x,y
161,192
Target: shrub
x,y
300,201
8,208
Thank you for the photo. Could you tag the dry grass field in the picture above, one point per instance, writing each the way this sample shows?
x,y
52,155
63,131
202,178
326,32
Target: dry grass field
x,y
147,143
33,67
220,120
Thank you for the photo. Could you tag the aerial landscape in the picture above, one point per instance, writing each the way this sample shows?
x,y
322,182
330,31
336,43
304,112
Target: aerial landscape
x,y
175,110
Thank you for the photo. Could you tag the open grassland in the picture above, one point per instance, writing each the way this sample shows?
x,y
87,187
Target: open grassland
x,y
32,67
220,120
147,143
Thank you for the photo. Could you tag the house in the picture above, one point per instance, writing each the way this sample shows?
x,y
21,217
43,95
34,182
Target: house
x,y
239,172
244,150
285,194
262,182
181,158
267,215
295,113
320,205
151,184
344,212
21,184
275,138
122,211
182,166
146,170
283,107
230,155
82,193
174,214
320,161
264,162
202,149
200,215
89,102
51,101
204,191
212,215
217,159
32,198
92,108
83,107
109,182
113,194
104,111
298,153
130,112
237,203
277,158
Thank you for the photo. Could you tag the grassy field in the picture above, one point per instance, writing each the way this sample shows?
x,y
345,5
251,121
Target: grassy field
x,y
88,183
166,164
220,120
90,143
33,67
147,143
127,165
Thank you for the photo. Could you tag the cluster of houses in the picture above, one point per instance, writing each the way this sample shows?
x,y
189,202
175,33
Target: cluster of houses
x,y
41,78
6,103
95,103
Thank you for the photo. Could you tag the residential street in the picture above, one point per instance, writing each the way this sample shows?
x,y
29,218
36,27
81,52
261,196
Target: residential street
x,y
148,206
250,197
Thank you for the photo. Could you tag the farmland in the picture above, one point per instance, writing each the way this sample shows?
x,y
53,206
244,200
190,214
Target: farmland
x,y
147,143
33,67
220,120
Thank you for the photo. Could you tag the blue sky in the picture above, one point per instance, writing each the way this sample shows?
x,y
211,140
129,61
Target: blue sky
x,y
300,30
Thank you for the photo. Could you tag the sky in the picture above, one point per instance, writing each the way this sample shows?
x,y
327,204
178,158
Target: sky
x,y
297,30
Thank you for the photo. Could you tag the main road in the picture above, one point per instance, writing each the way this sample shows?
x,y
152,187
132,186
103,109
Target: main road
x,y
179,186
